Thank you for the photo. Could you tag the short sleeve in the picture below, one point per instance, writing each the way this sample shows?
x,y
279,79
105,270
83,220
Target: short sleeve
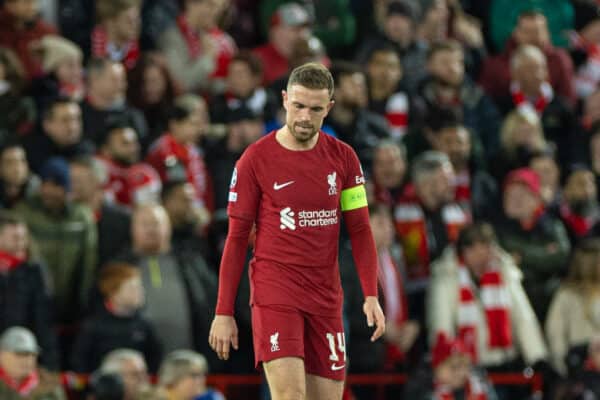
x,y
244,190
354,171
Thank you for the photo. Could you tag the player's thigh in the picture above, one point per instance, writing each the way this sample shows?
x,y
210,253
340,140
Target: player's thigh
x,y
325,347
319,388
286,378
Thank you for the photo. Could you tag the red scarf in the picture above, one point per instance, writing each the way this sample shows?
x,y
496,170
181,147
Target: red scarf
x,y
191,37
396,308
100,48
9,262
521,102
396,113
579,224
475,390
412,231
25,387
495,300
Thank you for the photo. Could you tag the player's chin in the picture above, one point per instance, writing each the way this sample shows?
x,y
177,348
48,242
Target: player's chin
x,y
304,134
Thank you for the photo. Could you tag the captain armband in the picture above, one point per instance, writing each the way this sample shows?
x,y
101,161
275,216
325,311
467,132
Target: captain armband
x,y
353,198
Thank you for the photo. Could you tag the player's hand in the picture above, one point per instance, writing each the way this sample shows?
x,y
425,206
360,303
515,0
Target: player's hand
x,y
223,334
374,314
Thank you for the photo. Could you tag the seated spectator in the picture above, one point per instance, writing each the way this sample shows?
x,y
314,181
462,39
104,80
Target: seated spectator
x,y
197,51
16,180
399,31
447,87
287,24
129,181
66,234
476,296
388,171
88,177
537,240
244,89
531,90
176,155
402,329
17,112
63,71
172,281
25,291
572,320
105,386
118,324
116,36
386,97
454,375
20,28
106,99
585,47
151,89
20,376
585,373
350,120
183,375
579,209
187,219
548,169
131,367
475,190
61,134
521,136
531,29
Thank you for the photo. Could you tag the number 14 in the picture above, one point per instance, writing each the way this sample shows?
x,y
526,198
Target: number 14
x,y
341,346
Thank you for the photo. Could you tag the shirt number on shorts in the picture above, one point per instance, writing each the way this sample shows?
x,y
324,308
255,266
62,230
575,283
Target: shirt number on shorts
x,y
341,346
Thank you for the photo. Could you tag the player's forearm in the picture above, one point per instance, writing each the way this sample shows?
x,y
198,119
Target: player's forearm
x,y
232,264
363,249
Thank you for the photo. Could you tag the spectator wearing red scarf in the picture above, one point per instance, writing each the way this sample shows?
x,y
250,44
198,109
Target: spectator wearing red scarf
x,y
116,36
579,209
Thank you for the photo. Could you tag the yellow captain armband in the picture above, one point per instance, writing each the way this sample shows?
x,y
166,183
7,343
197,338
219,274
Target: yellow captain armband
x,y
353,198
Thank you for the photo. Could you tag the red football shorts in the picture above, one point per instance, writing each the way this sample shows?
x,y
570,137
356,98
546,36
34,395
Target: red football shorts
x,y
283,331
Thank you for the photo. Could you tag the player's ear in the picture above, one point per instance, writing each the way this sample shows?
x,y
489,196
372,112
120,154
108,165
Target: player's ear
x,y
284,97
330,105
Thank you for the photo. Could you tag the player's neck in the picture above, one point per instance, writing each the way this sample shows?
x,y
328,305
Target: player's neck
x,y
285,138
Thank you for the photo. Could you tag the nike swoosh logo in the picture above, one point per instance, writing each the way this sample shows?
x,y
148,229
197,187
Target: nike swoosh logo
x,y
335,367
277,187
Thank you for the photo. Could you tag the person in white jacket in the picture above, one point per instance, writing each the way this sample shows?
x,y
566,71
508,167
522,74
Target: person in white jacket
x,y
476,295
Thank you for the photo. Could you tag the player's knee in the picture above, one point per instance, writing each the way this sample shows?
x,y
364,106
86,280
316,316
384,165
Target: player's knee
x,y
290,392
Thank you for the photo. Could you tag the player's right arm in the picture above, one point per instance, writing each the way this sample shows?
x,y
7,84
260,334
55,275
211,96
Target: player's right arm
x,y
244,196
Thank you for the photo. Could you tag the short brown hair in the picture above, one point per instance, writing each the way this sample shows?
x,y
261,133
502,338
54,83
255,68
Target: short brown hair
x,y
312,76
114,275
445,45
478,232
108,9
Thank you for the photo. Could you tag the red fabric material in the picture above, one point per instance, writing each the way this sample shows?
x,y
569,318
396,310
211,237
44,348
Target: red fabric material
x,y
275,65
20,41
539,104
577,223
495,74
474,390
100,48
25,387
445,347
527,177
8,262
495,301
232,264
167,148
191,37
363,249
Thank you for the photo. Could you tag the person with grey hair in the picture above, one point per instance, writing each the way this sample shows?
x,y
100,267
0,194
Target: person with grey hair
x,y
183,375
531,89
388,171
88,178
130,365
427,219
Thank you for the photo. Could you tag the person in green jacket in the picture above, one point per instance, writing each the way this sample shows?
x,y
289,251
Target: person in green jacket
x,y
66,235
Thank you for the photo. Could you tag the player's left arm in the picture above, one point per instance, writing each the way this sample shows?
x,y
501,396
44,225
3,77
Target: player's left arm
x,y
356,216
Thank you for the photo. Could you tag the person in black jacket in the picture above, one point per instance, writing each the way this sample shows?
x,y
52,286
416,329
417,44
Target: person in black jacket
x,y
24,292
119,323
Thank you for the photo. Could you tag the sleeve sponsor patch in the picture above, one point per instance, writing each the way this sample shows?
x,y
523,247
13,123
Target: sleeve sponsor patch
x,y
353,198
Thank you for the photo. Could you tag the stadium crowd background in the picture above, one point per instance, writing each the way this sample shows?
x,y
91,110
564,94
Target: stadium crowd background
x,y
475,121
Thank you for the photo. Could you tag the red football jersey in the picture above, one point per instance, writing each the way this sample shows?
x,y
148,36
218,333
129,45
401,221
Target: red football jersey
x,y
294,199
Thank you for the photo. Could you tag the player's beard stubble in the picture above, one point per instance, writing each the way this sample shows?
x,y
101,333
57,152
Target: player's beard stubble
x,y
303,132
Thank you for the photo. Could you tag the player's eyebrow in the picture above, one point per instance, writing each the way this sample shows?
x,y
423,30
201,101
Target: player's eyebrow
x,y
315,108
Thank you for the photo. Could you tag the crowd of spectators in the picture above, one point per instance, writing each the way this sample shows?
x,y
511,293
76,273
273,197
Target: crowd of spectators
x,y
477,124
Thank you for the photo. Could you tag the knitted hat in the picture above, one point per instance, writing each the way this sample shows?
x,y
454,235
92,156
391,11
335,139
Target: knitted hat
x,y
19,340
56,170
404,8
445,347
290,14
57,49
525,176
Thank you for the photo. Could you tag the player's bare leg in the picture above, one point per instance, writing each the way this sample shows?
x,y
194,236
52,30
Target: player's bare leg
x,y
286,378
319,388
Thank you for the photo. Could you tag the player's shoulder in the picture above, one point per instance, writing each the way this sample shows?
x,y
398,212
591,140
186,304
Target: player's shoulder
x,y
263,144
335,144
